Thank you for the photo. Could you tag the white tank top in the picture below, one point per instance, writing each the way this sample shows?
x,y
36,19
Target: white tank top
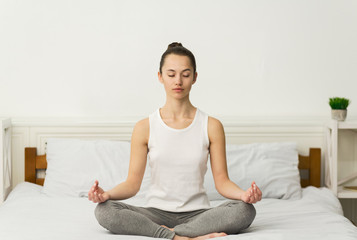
x,y
178,162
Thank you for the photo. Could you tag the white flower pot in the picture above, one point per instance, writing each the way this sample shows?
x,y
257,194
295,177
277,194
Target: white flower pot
x,y
339,114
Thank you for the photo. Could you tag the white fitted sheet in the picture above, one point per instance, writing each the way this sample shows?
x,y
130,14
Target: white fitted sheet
x,y
28,214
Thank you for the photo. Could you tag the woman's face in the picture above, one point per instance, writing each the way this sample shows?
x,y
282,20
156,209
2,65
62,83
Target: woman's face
x,y
177,76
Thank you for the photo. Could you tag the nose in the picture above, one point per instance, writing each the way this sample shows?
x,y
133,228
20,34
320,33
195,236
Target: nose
x,y
178,80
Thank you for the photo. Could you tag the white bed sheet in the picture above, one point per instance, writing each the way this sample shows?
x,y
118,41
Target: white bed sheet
x,y
28,214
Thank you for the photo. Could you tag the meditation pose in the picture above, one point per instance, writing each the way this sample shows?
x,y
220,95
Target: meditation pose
x,y
176,140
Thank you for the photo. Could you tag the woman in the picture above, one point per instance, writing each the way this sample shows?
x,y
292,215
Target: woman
x,y
177,138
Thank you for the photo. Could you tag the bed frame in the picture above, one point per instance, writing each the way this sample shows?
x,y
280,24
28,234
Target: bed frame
x,y
309,166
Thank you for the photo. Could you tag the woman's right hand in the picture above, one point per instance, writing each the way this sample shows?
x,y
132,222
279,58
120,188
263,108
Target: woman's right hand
x,y
96,194
253,194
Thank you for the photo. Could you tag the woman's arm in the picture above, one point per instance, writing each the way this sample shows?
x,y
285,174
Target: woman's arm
x,y
138,156
223,184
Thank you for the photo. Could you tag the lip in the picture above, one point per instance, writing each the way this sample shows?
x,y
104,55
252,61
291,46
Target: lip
x,y
178,89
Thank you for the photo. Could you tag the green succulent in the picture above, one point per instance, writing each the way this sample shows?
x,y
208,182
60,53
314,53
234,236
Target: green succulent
x,y
339,103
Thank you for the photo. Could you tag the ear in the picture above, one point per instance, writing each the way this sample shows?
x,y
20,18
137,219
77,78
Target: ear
x,y
194,78
160,77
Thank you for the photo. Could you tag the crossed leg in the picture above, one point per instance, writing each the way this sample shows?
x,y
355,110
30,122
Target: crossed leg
x,y
122,218
228,218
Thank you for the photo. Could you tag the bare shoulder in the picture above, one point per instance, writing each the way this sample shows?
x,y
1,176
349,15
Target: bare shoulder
x,y
215,128
141,130
143,123
214,122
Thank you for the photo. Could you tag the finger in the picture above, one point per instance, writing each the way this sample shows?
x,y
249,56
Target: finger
x,y
256,198
93,198
90,193
95,185
103,199
259,192
260,195
255,187
255,192
253,195
251,200
251,192
250,195
258,189
96,197
100,196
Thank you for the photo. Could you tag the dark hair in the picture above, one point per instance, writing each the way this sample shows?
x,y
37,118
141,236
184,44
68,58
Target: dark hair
x,y
178,49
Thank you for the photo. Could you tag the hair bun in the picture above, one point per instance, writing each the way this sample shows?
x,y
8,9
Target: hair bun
x,y
174,44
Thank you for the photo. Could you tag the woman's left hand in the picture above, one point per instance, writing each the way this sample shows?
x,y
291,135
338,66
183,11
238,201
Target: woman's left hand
x,y
252,195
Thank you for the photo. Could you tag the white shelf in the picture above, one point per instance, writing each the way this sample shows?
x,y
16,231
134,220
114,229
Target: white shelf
x,y
332,179
5,158
346,193
342,125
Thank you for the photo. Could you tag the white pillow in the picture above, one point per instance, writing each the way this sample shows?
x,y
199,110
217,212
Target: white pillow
x,y
74,165
273,166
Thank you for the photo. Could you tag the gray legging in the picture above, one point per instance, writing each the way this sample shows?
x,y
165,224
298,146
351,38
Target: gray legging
x,y
120,218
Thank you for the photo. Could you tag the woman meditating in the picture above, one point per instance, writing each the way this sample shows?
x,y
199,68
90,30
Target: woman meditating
x,y
176,139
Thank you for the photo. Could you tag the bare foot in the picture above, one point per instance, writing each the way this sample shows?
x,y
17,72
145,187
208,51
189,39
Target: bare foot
x,y
208,236
171,229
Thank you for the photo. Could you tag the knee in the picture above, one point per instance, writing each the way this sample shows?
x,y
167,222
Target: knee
x,y
102,211
243,213
107,208
110,215
249,213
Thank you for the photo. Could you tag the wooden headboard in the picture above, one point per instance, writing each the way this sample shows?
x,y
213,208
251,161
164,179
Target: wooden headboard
x,y
311,165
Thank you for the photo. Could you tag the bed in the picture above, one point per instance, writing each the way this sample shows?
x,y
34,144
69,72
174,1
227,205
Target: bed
x,y
36,210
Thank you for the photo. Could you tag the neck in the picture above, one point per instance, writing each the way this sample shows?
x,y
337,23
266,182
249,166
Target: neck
x,y
178,109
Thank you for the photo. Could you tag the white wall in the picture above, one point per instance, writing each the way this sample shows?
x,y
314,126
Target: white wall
x,y
86,58
100,58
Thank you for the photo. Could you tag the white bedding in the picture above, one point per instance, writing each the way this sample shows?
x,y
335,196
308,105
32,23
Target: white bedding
x,y
28,214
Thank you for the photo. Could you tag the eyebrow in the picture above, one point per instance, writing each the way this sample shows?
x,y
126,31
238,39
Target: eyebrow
x,y
171,70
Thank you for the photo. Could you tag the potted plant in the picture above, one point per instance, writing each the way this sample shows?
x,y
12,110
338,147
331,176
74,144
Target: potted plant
x,y
339,108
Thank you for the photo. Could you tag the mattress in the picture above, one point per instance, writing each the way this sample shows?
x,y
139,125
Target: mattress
x,y
29,214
